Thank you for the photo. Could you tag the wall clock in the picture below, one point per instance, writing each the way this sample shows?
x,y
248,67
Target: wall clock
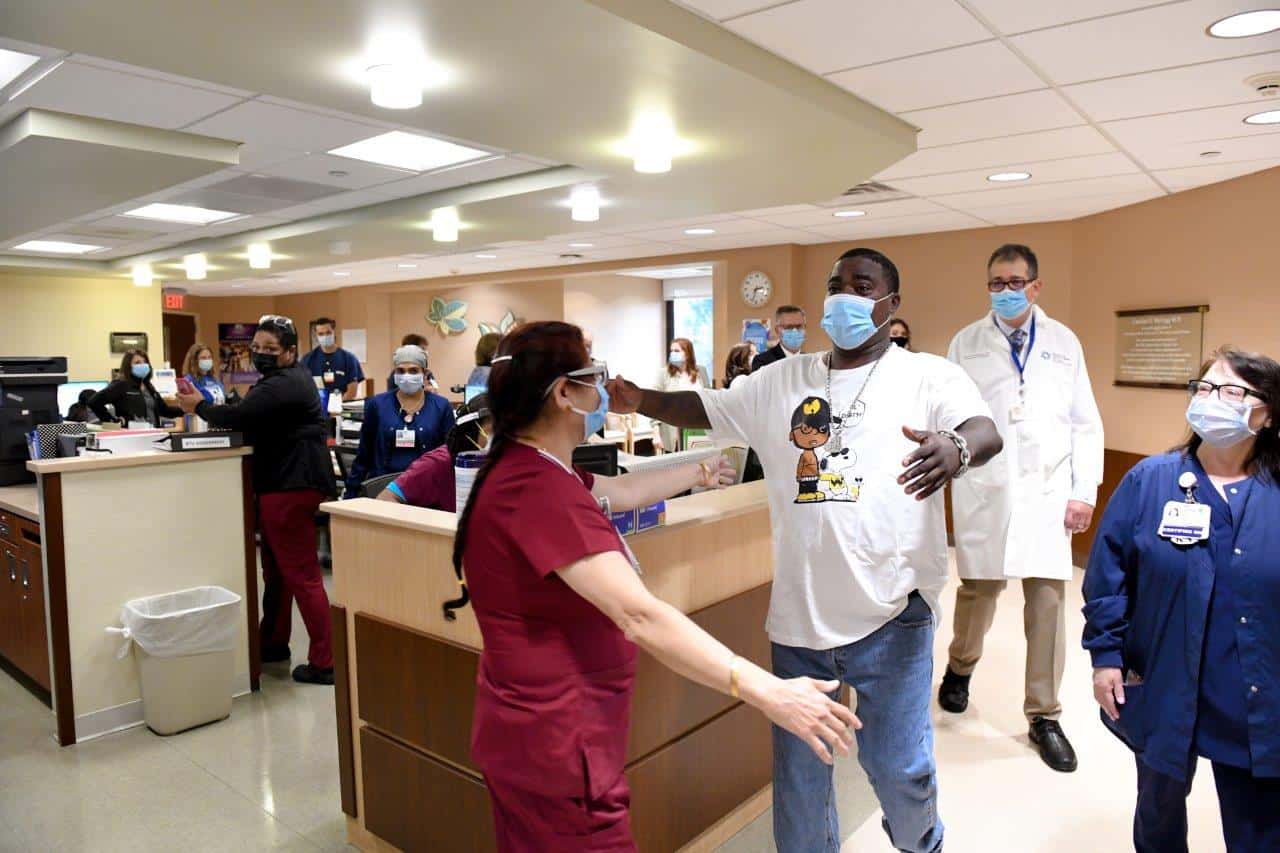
x,y
757,289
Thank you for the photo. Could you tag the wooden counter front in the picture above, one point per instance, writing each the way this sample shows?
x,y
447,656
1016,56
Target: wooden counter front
x,y
698,761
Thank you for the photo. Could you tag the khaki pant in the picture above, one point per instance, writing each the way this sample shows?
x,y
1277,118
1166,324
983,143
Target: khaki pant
x,y
1044,622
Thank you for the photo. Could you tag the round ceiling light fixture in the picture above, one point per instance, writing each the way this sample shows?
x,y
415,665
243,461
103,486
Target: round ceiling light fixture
x,y
585,201
260,256
485,256
394,87
581,245
1007,177
1246,24
142,275
196,266
849,214
444,224
699,232
1268,117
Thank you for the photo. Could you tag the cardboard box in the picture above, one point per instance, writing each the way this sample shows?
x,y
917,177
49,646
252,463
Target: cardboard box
x,y
638,520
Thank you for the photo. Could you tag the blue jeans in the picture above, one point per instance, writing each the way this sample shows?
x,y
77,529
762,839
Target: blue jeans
x,y
891,671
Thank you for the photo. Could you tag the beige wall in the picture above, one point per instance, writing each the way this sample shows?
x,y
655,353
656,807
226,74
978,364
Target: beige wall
x,y
43,315
627,317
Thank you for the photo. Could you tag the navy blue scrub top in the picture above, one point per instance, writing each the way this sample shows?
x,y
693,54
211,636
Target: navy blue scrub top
x,y
345,367
378,454
1199,624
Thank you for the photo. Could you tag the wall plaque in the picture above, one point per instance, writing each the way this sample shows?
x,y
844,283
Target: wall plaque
x,y
1159,347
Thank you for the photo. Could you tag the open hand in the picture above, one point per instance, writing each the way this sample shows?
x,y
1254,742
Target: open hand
x,y
1108,689
803,707
931,465
188,402
1079,516
624,396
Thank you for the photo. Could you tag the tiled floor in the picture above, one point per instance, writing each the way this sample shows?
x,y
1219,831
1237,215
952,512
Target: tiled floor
x,y
266,778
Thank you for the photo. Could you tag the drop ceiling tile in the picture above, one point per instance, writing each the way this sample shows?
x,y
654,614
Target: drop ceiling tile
x,y
1075,168
254,156
1198,176
598,241
101,93
1192,126
456,176
1156,154
977,201
147,227
333,204
278,126
318,168
992,118
966,73
805,32
721,9
1016,16
1056,210
1024,148
667,224
762,212
1192,87
929,222
111,65
1163,36
771,237
825,216
721,227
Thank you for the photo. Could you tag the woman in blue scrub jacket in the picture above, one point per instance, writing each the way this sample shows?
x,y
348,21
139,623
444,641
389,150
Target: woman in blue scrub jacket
x,y
1182,612
197,367
400,425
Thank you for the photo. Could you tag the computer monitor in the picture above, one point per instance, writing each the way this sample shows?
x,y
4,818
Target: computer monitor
x,y
599,459
69,394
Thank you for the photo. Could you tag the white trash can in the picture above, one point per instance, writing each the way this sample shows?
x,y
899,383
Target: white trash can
x,y
186,655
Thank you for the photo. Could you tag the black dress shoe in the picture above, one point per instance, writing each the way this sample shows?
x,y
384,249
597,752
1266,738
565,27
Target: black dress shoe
x,y
308,674
1055,749
953,695
275,654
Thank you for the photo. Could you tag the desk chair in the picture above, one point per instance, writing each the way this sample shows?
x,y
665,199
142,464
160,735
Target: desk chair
x,y
373,487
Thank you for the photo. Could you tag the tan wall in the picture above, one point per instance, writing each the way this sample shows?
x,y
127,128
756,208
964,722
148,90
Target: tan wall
x,y
627,317
453,357
43,315
1212,246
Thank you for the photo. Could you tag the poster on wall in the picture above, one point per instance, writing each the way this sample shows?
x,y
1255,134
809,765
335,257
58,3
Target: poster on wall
x,y
756,332
233,353
1159,347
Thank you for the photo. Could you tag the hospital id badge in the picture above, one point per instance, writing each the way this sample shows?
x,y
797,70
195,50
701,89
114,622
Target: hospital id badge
x,y
328,377
1184,523
406,438
1019,412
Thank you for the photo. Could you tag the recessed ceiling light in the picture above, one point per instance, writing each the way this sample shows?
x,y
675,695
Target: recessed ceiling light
x,y
486,256
1246,24
260,256
407,266
581,245
444,224
394,87
237,286
184,213
846,214
57,247
1268,117
652,143
196,266
142,275
585,201
410,151
342,274
13,64
699,232
1005,177
338,173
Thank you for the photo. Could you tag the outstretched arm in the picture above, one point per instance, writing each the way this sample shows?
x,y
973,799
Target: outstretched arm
x,y
678,408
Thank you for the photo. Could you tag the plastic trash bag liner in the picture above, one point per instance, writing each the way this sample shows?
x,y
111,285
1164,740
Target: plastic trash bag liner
x,y
188,622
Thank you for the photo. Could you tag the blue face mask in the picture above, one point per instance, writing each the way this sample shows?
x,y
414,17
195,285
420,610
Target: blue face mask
x,y
594,419
1010,303
1219,423
141,370
410,383
675,358
846,317
205,365
793,339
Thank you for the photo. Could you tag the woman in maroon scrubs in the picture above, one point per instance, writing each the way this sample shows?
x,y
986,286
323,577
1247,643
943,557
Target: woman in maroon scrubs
x,y
563,610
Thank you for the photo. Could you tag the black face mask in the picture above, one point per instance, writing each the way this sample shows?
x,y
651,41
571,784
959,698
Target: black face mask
x,y
902,342
265,363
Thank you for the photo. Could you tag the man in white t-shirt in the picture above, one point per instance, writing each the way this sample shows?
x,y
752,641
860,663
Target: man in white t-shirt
x,y
856,444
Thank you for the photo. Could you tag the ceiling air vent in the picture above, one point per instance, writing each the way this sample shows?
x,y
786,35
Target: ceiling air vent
x,y
869,191
571,256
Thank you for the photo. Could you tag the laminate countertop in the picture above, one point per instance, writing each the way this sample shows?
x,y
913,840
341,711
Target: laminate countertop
x,y
21,500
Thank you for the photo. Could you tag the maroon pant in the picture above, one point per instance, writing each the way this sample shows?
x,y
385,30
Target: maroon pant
x,y
528,822
291,572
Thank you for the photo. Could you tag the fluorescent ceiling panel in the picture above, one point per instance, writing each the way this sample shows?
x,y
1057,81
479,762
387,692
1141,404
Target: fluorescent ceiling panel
x,y
13,64
183,213
56,247
409,151
669,272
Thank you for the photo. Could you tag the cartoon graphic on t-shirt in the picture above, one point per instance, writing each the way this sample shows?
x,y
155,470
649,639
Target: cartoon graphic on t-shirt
x,y
810,429
825,478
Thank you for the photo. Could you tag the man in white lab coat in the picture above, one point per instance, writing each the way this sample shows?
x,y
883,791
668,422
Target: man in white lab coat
x,y
1014,518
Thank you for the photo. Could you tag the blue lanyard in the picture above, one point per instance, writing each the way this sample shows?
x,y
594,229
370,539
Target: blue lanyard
x,y
1016,356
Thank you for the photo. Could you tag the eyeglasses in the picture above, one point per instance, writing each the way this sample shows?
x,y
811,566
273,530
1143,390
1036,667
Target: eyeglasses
x,y
1227,393
597,372
996,285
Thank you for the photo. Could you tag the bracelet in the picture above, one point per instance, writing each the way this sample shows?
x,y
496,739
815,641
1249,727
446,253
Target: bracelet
x,y
705,480
733,676
961,445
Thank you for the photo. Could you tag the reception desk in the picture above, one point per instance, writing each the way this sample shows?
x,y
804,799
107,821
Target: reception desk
x,y
699,762
113,528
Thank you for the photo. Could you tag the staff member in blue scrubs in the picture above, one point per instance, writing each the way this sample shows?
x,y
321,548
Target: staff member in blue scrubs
x,y
338,369
1182,610
400,425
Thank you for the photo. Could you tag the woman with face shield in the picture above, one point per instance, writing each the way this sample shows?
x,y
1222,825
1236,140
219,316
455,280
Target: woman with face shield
x,y
1182,610
429,481
400,425
563,611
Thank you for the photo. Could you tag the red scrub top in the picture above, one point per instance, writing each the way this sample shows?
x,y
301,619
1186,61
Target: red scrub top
x,y
429,481
553,698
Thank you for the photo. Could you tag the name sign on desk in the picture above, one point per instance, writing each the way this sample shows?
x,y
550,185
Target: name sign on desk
x,y
206,441
1159,347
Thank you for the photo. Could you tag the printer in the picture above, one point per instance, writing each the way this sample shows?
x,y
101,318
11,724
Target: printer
x,y
28,398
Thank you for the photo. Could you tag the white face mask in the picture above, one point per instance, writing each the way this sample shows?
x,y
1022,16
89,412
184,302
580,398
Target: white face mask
x,y
326,341
1219,423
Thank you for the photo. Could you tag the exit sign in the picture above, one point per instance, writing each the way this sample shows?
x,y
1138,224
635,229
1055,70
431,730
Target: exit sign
x,y
175,301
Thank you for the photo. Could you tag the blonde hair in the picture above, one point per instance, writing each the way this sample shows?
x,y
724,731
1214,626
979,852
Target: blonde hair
x,y
190,366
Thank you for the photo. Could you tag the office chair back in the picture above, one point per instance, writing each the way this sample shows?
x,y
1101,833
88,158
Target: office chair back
x,y
373,487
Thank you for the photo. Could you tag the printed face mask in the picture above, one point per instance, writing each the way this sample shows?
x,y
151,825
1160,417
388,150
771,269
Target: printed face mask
x,y
1219,423
846,317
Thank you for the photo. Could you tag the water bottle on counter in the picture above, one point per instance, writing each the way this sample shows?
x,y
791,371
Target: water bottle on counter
x,y
465,467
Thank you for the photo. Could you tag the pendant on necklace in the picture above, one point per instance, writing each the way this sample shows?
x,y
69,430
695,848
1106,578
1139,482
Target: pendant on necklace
x,y
835,445
408,418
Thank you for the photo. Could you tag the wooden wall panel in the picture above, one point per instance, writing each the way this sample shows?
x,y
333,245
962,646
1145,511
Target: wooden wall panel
x,y
417,803
1116,463
342,708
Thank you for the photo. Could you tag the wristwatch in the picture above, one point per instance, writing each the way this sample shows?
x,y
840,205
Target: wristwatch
x,y
963,446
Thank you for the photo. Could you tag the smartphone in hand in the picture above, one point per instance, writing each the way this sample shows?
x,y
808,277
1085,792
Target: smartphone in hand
x,y
185,386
